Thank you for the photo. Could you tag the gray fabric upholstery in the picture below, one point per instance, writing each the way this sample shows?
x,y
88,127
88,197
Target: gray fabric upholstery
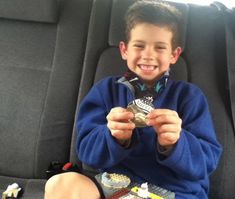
x,y
206,60
203,63
40,70
30,10
32,188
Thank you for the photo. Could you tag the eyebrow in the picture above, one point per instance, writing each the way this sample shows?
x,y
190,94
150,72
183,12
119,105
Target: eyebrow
x,y
159,42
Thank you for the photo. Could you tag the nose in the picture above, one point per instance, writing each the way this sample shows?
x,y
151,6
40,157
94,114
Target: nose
x,y
148,53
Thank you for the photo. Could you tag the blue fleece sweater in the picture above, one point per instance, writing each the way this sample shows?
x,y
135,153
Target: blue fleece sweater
x,y
185,171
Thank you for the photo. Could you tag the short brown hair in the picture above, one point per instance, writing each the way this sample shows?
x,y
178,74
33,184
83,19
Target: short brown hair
x,y
154,12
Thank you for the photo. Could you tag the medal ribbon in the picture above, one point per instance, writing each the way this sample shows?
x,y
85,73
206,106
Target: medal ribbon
x,y
142,90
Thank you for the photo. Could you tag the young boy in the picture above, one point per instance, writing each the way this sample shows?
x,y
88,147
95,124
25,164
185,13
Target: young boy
x,y
175,147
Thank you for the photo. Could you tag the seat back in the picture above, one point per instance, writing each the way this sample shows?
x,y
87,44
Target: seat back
x,y
41,55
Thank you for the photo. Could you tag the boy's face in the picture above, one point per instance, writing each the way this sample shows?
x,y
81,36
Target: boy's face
x,y
149,51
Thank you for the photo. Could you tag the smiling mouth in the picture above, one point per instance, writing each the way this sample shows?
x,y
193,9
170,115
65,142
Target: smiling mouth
x,y
147,68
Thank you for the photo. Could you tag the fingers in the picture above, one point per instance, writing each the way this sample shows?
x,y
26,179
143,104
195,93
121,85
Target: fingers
x,y
119,123
167,125
121,134
168,138
163,116
113,125
161,112
164,128
119,114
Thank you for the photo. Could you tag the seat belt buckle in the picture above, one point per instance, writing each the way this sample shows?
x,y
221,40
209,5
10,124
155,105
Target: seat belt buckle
x,y
58,167
54,168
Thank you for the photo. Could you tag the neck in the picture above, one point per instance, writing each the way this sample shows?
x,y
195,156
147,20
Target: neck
x,y
147,88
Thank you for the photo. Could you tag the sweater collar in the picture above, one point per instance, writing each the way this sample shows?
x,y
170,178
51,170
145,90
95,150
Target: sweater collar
x,y
140,89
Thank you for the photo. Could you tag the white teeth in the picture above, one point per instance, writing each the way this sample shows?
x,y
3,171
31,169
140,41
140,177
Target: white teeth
x,y
147,67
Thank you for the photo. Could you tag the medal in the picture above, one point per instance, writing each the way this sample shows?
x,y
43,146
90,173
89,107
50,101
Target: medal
x,y
140,108
144,95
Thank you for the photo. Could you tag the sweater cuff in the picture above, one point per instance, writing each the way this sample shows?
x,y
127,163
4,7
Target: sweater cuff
x,y
125,143
163,151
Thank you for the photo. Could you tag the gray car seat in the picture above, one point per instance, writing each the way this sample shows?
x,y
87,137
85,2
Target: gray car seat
x,y
42,45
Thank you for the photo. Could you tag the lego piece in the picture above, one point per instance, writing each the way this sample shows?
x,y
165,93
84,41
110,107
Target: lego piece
x,y
115,180
12,191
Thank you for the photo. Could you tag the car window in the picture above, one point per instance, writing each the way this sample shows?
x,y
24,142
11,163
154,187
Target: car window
x,y
227,3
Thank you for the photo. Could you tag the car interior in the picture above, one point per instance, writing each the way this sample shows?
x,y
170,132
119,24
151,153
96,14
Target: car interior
x,y
53,51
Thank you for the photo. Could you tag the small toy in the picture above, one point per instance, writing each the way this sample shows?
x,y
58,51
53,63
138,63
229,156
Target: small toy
x,y
12,191
119,186
114,180
120,194
138,191
143,190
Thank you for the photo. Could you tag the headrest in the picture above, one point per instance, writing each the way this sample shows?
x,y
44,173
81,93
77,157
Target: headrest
x,y
30,10
117,24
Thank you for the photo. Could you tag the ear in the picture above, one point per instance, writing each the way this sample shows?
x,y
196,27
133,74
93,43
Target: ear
x,y
123,50
175,55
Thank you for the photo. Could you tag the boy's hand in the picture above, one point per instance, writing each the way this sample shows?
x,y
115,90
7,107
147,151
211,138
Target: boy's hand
x,y
119,123
167,125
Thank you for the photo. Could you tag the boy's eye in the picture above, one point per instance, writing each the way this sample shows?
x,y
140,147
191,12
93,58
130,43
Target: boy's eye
x,y
160,47
138,45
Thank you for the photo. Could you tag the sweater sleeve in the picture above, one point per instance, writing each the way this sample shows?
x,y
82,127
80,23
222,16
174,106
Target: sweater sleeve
x,y
197,152
95,144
